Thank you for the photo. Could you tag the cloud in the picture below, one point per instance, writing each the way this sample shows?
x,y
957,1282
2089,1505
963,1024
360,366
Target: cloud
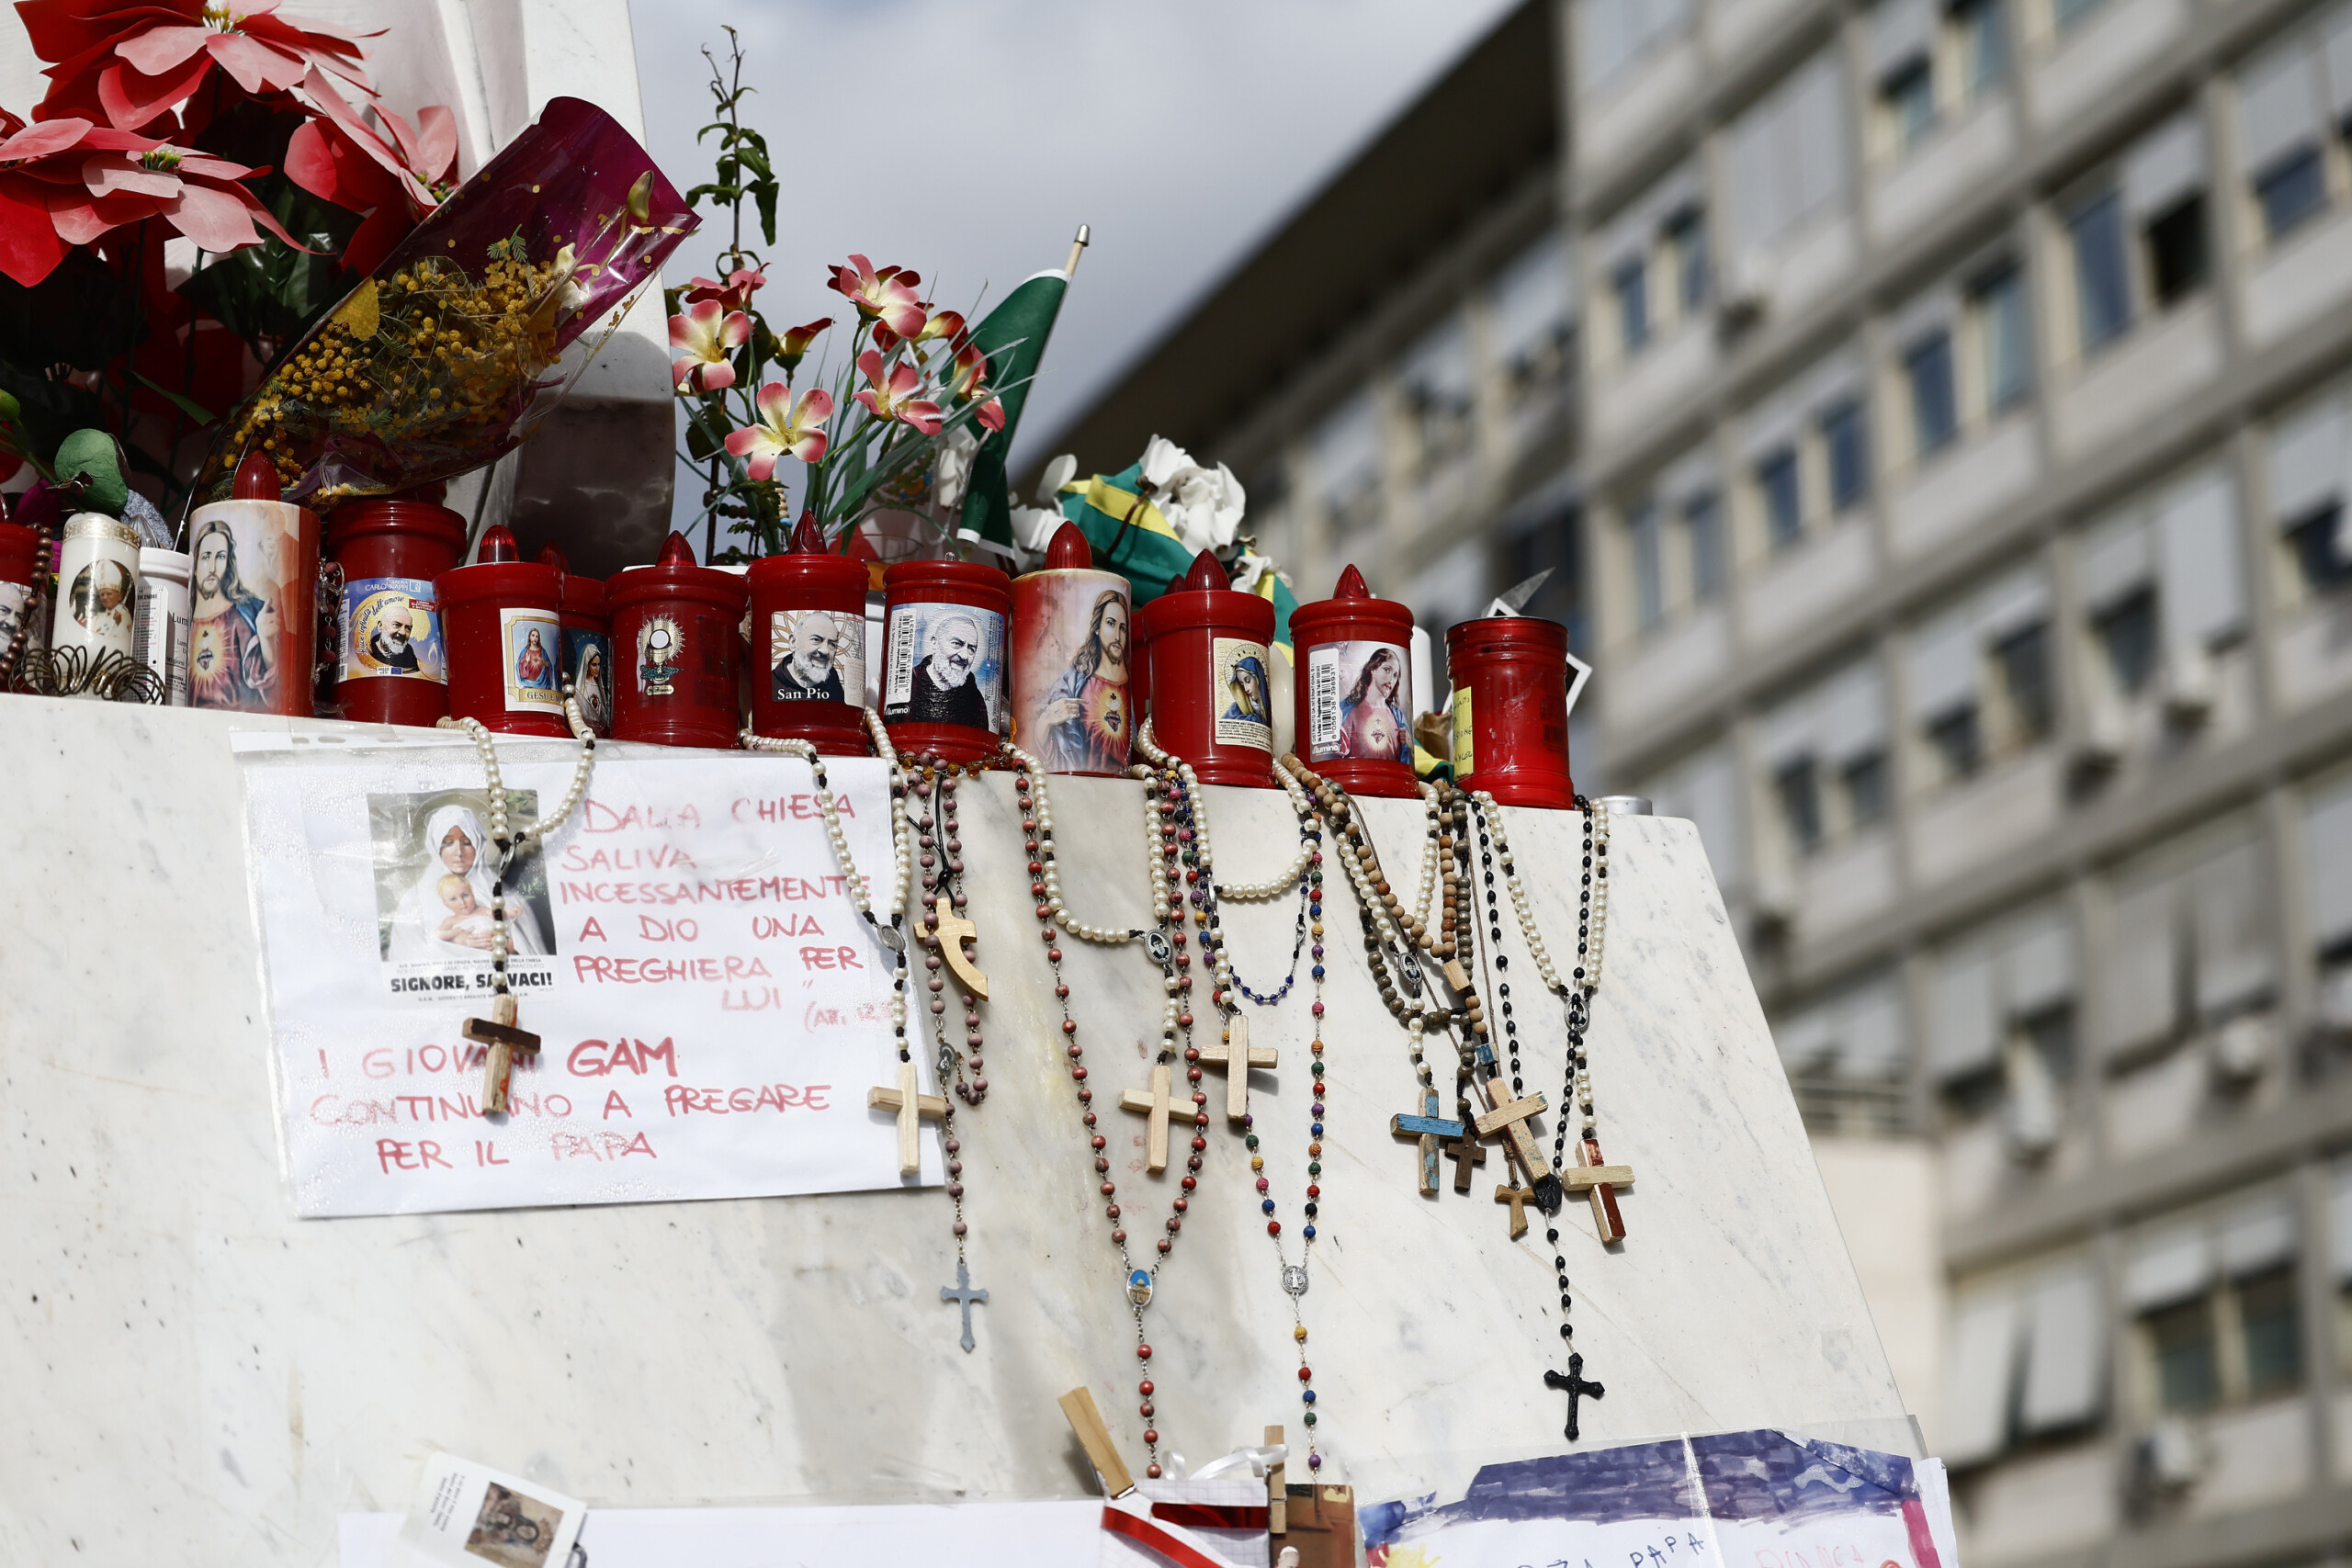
x,y
969,139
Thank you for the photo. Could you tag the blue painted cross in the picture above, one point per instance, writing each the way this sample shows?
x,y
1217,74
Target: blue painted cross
x,y
1431,1129
962,1291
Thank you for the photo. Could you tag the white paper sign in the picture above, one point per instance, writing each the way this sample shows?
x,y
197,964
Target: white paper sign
x,y
466,1515
711,1008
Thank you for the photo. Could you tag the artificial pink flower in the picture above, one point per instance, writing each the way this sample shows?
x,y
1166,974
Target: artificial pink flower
x,y
887,297
132,61
395,178
948,324
785,429
793,346
706,335
890,394
65,183
735,294
969,383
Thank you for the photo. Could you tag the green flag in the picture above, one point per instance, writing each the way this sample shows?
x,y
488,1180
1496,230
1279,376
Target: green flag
x,y
1023,321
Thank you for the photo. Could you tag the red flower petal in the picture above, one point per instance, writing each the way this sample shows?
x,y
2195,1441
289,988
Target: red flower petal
x,y
156,50
132,100
215,220
29,245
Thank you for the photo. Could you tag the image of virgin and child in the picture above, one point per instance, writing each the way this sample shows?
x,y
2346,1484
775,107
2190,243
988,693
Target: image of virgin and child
x,y
1372,713
437,884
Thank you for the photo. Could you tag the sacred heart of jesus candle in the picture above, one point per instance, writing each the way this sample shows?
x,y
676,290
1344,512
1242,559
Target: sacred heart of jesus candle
x,y
253,606
675,631
1072,641
1211,689
1511,709
1354,689
943,657
501,621
393,665
809,645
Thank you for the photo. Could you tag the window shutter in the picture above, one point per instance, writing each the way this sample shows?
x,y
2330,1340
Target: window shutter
x,y
2015,602
2335,41
1870,1033
1806,1038
2306,461
2169,1267
1755,171
2279,107
1817,107
1902,33
2165,165
2234,962
1853,713
1981,1378
1944,672
2041,963
2115,561
2257,1235
2327,861
2141,992
2339,1220
2203,574
2065,1357
1966,1036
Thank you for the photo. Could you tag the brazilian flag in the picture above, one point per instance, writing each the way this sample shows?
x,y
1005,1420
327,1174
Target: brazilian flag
x,y
1129,535
1014,337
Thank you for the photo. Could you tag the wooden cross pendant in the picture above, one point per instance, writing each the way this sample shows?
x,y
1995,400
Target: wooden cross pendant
x,y
1235,1049
1428,1129
952,931
910,1107
506,1041
1465,1152
1508,1117
1155,1107
1599,1183
1574,1386
1518,1198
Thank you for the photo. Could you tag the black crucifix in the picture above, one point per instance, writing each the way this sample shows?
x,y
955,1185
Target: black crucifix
x,y
1572,1382
505,1043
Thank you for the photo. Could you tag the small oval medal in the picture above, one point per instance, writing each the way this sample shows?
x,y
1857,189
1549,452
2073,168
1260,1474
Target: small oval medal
x,y
1294,1278
1139,1287
1156,944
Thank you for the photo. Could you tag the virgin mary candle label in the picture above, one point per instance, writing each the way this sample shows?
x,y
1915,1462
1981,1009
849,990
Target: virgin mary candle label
x,y
947,665
1356,702
97,585
589,656
532,640
392,630
1244,692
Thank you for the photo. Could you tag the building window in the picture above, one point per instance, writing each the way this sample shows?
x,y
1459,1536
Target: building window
x,y
2323,564
1800,800
2270,1317
1686,242
1631,285
2127,634
2005,338
2023,660
2188,1362
2291,191
1983,37
1776,478
1959,741
2102,273
1935,414
1649,566
1909,98
1702,519
1846,443
1866,781
2177,253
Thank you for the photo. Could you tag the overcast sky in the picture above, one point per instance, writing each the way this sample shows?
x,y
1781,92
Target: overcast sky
x,y
969,139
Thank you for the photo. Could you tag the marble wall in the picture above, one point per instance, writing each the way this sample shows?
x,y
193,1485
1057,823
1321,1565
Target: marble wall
x,y
197,1376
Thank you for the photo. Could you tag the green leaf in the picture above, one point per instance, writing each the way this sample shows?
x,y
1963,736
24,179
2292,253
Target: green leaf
x,y
764,193
702,439
188,406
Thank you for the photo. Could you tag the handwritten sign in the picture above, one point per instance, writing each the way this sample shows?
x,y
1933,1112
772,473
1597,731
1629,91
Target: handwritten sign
x,y
710,1006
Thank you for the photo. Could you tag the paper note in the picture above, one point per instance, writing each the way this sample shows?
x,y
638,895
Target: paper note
x,y
470,1516
710,1007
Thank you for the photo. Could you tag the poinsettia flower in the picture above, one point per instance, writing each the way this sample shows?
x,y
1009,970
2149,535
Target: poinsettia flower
x,y
793,346
735,294
132,61
785,429
888,296
705,336
65,183
395,177
891,393
968,382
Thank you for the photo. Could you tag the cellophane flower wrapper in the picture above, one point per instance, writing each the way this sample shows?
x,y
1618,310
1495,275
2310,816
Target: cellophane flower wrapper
x,y
440,361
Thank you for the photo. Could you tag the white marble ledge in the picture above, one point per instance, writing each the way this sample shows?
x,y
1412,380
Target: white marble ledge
x,y
209,1380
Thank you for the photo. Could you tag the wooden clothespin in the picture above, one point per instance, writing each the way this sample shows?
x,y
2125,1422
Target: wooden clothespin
x,y
1086,1421
1277,1489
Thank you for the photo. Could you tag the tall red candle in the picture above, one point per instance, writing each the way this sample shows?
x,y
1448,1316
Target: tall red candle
x,y
501,619
1511,709
393,667
943,657
674,625
1212,687
809,645
1354,693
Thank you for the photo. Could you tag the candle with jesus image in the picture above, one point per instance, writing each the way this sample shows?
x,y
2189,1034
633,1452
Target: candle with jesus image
x,y
253,606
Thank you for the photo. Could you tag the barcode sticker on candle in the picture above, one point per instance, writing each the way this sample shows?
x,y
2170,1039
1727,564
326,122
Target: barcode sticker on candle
x,y
1357,697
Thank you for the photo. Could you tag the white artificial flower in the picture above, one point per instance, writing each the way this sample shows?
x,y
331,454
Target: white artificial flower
x,y
1034,527
951,471
1059,472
